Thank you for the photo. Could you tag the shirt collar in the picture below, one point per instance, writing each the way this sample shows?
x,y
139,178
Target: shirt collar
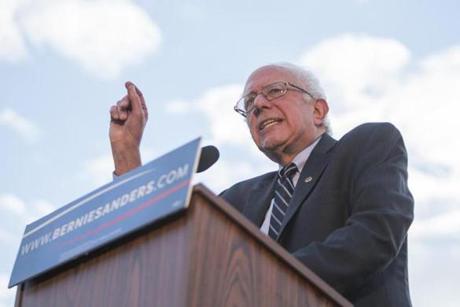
x,y
301,158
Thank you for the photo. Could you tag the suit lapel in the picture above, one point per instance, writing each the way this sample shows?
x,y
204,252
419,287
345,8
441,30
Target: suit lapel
x,y
309,176
259,200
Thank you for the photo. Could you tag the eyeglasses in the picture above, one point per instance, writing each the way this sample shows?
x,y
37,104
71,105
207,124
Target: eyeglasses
x,y
245,105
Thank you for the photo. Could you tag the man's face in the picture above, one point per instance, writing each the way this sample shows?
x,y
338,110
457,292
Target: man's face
x,y
283,127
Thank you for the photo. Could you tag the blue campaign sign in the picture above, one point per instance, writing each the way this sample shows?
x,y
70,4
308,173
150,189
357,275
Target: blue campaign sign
x,y
145,195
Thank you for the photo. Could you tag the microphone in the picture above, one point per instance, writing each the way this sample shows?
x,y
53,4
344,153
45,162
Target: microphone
x,y
209,155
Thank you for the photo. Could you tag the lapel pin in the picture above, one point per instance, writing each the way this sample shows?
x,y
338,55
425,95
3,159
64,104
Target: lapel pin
x,y
308,179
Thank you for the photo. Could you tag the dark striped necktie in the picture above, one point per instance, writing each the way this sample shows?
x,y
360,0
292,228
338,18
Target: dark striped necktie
x,y
284,188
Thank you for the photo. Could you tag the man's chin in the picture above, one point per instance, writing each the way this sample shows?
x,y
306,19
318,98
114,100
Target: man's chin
x,y
270,145
272,150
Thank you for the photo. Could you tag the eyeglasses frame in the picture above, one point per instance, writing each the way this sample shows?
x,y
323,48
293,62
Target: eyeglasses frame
x,y
287,84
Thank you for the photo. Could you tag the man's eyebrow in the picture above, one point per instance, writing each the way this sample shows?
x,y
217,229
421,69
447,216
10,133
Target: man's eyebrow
x,y
248,93
251,93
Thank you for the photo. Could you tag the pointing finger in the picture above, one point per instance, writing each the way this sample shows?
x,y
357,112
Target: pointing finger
x,y
136,104
144,105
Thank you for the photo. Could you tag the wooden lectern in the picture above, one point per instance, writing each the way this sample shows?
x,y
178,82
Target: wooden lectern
x,y
207,256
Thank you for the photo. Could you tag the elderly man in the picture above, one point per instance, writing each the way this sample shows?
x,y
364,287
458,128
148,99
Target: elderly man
x,y
343,207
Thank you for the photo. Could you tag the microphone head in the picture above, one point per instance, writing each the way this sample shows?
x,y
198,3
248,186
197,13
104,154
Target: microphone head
x,y
209,155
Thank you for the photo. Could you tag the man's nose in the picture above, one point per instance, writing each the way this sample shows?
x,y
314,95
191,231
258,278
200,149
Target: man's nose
x,y
260,102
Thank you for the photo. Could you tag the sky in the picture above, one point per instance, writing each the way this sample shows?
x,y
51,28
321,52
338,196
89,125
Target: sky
x,y
63,63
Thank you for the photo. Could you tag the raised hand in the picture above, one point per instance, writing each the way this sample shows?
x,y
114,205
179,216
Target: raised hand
x,y
127,121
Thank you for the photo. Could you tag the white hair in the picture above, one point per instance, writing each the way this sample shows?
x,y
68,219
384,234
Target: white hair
x,y
305,76
309,80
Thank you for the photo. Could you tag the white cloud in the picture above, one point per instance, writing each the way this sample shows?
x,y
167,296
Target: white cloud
x,y
443,225
445,62
434,272
178,106
226,127
24,211
6,237
4,292
104,36
100,169
24,127
40,208
216,104
6,295
12,47
12,204
355,68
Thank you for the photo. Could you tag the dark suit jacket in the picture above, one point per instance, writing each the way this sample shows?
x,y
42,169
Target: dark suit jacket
x,y
349,215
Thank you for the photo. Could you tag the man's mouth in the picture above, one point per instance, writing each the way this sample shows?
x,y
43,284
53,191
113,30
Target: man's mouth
x,y
268,123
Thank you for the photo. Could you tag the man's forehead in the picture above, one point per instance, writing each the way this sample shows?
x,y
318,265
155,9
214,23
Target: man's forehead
x,y
266,75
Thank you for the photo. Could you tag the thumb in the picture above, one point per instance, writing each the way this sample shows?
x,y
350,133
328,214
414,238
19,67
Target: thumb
x,y
133,96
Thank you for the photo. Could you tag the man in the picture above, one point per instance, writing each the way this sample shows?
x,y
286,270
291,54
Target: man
x,y
343,207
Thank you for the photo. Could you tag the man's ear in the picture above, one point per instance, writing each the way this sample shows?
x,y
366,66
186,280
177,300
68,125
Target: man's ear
x,y
321,109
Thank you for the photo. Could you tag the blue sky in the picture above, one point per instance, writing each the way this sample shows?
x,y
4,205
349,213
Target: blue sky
x,y
64,62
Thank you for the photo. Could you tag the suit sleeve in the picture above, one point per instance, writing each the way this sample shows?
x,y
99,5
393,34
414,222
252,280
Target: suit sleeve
x,y
381,211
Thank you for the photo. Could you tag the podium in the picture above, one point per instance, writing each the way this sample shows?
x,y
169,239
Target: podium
x,y
208,255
